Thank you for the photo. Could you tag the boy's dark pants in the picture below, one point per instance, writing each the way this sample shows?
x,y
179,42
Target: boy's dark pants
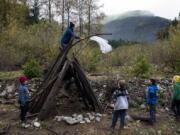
x,y
176,108
24,110
116,114
152,111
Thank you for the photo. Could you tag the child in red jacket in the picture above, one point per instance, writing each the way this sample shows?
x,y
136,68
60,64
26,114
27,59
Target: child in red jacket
x,y
23,100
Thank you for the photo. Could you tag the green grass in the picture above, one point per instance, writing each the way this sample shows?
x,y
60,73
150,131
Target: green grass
x,y
10,74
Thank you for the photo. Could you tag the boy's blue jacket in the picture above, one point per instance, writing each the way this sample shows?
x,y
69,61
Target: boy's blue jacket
x,y
67,36
23,94
152,95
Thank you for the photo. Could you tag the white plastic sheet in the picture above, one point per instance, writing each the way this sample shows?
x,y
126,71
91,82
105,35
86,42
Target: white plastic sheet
x,y
103,44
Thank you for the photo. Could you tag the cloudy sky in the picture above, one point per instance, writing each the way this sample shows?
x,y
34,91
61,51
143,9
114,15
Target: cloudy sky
x,y
164,8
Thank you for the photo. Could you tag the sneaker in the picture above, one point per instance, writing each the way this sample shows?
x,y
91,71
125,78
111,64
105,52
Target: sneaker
x,y
23,125
27,125
126,127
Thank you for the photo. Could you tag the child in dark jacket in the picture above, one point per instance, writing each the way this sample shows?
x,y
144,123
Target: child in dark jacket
x,y
68,36
23,100
152,99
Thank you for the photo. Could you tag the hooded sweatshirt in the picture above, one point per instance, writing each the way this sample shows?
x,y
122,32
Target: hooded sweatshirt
x,y
120,99
176,91
152,95
67,36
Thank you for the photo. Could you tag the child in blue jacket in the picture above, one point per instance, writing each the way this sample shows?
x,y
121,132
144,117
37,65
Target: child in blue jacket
x,y
152,99
68,35
23,99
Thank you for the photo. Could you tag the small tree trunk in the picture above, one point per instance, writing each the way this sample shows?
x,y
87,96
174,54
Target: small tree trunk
x,y
89,19
62,30
80,17
68,11
49,11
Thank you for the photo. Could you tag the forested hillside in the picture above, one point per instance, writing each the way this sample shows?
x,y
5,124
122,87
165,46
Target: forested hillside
x,y
137,28
31,29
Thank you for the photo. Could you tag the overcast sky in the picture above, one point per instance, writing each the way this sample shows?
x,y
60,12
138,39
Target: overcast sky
x,y
164,8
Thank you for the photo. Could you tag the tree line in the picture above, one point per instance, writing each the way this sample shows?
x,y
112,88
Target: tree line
x,y
85,13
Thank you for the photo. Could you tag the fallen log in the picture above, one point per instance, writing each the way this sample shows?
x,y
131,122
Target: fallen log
x,y
32,115
141,118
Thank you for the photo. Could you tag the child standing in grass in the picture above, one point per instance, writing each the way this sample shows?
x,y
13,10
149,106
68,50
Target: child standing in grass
x,y
152,99
120,100
23,100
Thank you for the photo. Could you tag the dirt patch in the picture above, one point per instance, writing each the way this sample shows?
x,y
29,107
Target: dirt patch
x,y
71,103
165,125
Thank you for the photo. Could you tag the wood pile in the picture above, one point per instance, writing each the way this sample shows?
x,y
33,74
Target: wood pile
x,y
63,69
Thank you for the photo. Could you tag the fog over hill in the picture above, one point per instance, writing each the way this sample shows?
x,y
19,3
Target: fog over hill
x,y
140,26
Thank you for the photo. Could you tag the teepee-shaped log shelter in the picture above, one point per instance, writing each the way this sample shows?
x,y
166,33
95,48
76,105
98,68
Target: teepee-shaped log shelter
x,y
43,102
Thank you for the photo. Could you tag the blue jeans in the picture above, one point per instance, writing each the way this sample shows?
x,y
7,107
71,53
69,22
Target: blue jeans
x,y
152,112
121,114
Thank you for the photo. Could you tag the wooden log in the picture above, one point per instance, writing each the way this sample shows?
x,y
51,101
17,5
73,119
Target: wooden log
x,y
141,118
31,115
37,100
50,101
36,103
87,87
58,65
51,68
56,69
52,73
43,88
86,90
80,87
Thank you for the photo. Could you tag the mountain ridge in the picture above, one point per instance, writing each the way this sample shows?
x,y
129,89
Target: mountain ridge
x,y
141,28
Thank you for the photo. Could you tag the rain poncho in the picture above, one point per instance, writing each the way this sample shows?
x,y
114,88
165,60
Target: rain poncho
x,y
104,46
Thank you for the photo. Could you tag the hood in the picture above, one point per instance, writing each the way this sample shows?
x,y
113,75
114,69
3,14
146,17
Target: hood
x,y
178,85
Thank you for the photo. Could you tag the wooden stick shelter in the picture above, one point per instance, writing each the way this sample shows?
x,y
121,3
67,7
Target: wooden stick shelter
x,y
43,102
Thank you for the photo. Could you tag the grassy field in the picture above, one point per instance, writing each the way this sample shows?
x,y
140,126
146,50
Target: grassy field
x,y
10,74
